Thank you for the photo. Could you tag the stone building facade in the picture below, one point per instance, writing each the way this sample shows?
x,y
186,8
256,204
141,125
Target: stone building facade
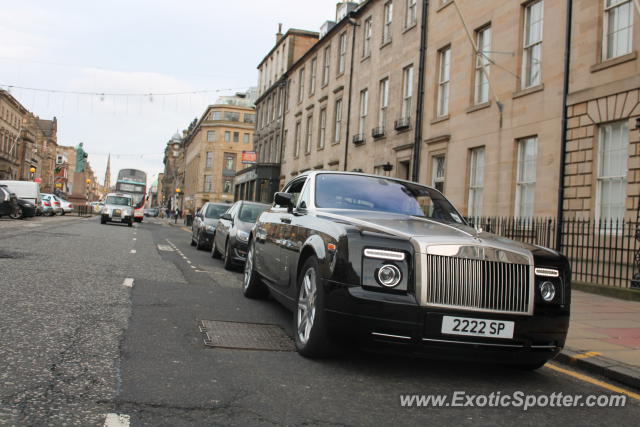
x,y
40,152
12,114
602,162
213,150
173,176
336,118
258,182
493,105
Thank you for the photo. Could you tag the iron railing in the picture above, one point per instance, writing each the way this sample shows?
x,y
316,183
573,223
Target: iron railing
x,y
600,251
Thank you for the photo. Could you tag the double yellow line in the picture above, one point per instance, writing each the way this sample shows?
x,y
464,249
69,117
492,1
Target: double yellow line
x,y
593,381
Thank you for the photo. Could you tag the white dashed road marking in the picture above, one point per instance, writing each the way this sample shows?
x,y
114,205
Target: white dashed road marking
x,y
166,248
133,251
128,282
116,420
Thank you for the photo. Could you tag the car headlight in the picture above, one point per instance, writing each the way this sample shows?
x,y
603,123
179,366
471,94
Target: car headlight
x,y
243,236
388,275
210,228
548,291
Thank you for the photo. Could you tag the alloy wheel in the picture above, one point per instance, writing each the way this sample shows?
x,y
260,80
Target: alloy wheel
x,y
248,267
307,305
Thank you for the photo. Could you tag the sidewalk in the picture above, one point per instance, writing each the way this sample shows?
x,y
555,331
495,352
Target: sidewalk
x,y
604,337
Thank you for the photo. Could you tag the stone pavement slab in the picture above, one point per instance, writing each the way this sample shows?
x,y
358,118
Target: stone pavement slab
x,y
604,337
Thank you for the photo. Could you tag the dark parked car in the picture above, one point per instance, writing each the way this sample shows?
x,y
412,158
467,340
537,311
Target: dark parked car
x,y
393,263
204,224
13,207
232,232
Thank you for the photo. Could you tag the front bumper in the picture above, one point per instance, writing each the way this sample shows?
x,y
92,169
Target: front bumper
x,y
239,251
206,238
123,219
396,321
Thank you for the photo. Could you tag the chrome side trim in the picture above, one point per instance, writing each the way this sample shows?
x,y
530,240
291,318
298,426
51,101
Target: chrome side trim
x,y
379,334
544,346
473,343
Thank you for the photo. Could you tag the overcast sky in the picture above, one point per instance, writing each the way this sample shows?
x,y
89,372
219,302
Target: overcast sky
x,y
137,47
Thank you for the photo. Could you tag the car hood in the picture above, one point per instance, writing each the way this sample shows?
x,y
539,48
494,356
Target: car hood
x,y
23,202
210,221
122,207
430,236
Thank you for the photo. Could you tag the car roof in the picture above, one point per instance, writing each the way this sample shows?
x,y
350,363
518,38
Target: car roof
x,y
249,202
314,173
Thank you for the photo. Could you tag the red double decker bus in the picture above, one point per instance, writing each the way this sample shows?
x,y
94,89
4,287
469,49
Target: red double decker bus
x,y
134,182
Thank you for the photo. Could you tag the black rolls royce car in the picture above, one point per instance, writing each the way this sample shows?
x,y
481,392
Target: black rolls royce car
x,y
232,232
393,262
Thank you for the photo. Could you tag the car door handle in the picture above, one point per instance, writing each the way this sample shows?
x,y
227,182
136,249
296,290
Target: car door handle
x,y
285,219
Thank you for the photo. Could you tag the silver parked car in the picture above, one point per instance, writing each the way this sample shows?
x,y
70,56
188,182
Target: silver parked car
x,y
67,206
54,202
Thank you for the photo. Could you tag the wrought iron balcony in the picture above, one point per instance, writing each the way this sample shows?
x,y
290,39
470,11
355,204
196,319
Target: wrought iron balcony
x,y
402,123
358,138
378,132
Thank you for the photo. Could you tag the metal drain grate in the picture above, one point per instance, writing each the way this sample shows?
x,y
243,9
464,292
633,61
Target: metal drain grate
x,y
10,255
245,336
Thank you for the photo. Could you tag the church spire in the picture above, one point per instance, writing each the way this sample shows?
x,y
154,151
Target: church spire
x,y
107,174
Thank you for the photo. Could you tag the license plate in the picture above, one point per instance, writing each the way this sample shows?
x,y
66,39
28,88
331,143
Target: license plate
x,y
117,213
477,327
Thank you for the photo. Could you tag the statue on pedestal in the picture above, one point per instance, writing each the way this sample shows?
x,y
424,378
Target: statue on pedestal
x,y
81,158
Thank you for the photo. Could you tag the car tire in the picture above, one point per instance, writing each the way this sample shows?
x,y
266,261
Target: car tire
x,y
252,286
309,319
228,261
531,366
199,245
215,253
102,221
17,214
130,224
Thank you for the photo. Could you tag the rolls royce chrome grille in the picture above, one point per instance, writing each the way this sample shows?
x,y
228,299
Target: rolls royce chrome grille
x,y
479,285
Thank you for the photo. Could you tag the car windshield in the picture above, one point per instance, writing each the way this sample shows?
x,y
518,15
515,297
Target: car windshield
x,y
215,211
118,200
359,192
250,213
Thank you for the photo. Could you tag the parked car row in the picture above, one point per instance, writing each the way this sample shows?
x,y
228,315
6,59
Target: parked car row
x,y
32,203
392,263
224,230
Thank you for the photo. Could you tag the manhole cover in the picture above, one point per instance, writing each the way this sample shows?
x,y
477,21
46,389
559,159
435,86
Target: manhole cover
x,y
245,336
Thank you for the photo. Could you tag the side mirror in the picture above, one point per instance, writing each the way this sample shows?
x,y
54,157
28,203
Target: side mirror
x,y
283,199
227,217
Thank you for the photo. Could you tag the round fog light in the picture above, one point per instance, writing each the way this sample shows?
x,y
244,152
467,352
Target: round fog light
x,y
548,291
389,275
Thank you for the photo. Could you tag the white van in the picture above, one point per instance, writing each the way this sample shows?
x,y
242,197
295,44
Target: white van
x,y
25,190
